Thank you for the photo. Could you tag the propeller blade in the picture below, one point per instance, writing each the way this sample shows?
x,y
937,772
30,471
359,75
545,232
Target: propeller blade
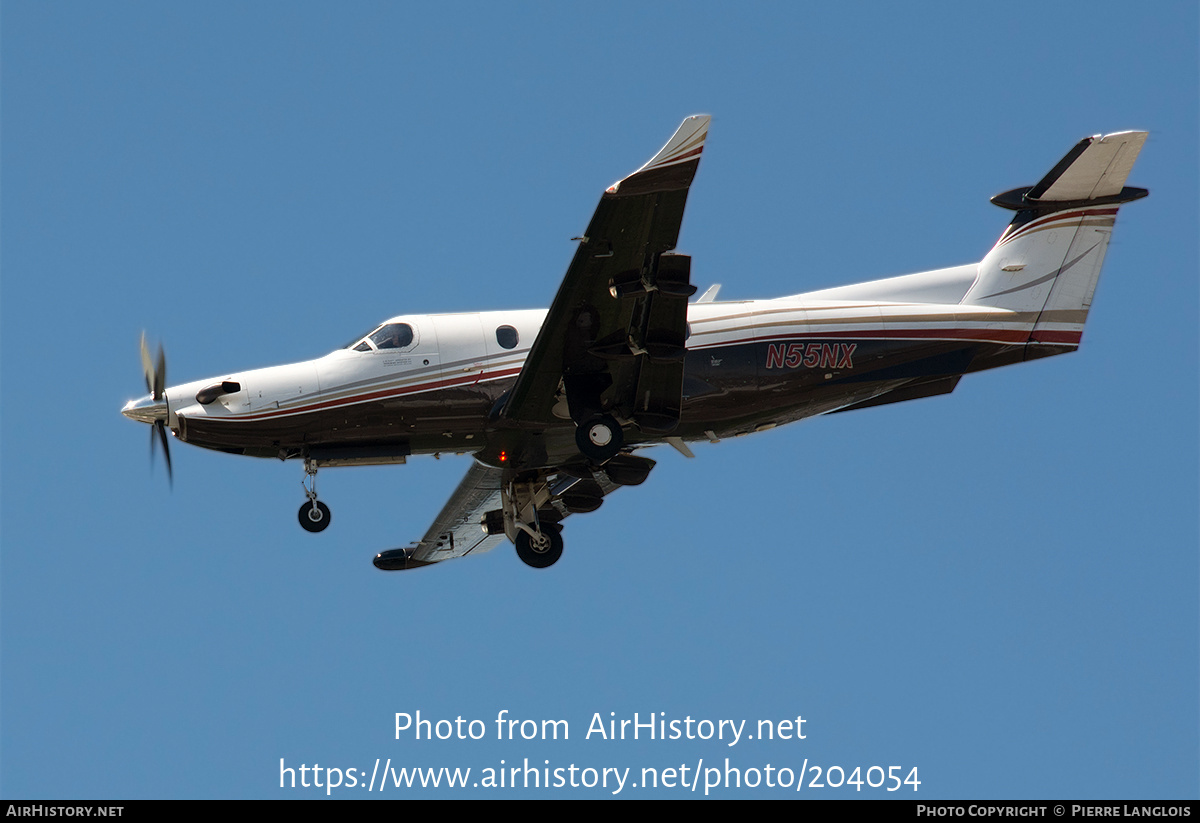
x,y
160,374
156,384
162,436
156,374
147,366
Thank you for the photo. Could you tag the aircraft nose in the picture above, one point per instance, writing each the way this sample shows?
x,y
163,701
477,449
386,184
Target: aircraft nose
x,y
146,409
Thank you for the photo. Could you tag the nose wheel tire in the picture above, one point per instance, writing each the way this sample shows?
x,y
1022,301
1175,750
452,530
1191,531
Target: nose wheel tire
x,y
599,438
542,551
314,516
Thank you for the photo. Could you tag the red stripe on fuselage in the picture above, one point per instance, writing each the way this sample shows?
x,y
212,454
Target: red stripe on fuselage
x,y
362,398
966,335
1055,336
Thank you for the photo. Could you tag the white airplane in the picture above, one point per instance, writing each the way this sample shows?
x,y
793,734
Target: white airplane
x,y
554,404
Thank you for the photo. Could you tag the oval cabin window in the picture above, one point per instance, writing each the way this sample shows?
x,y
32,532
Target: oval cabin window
x,y
507,337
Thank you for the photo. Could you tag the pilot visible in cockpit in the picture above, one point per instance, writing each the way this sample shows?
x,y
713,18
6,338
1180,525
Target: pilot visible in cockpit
x,y
388,336
393,336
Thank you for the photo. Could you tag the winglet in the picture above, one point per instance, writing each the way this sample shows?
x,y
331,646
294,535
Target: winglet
x,y
688,141
675,164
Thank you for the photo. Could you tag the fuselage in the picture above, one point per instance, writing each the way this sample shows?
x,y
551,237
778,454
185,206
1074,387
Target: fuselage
x,y
749,366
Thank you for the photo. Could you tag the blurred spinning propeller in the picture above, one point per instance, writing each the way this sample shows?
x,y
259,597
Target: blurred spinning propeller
x,y
156,383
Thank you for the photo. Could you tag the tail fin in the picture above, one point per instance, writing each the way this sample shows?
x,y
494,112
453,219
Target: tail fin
x,y
1048,260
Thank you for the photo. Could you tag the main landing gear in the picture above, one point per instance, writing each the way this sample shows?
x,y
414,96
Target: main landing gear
x,y
314,515
531,522
540,549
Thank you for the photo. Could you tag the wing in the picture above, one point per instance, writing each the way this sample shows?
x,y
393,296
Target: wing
x,y
613,339
471,522
458,529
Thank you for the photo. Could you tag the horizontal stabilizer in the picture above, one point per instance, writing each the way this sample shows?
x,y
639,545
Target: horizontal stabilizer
x,y
1094,171
1098,170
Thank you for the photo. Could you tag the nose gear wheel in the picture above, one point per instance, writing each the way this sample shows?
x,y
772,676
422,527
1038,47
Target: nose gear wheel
x,y
314,516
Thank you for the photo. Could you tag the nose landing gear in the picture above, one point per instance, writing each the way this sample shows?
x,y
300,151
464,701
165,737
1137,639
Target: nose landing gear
x,y
314,515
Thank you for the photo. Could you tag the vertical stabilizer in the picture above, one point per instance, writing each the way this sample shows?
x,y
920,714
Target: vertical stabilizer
x,y
1047,262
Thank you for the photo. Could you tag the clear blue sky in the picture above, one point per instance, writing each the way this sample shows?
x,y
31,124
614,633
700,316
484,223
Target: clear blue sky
x,y
998,587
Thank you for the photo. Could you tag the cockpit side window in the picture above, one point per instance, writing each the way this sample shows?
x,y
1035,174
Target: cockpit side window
x,y
393,336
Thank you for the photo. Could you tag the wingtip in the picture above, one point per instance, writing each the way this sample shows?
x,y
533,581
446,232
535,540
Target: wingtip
x,y
687,143
1130,134
685,146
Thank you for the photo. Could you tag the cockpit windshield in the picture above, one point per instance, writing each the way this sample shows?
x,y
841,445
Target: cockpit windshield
x,y
387,336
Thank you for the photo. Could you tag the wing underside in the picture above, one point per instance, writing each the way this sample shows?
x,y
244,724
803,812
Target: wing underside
x,y
462,526
613,340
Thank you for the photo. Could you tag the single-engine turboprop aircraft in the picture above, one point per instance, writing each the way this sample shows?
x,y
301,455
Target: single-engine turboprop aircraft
x,y
554,404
